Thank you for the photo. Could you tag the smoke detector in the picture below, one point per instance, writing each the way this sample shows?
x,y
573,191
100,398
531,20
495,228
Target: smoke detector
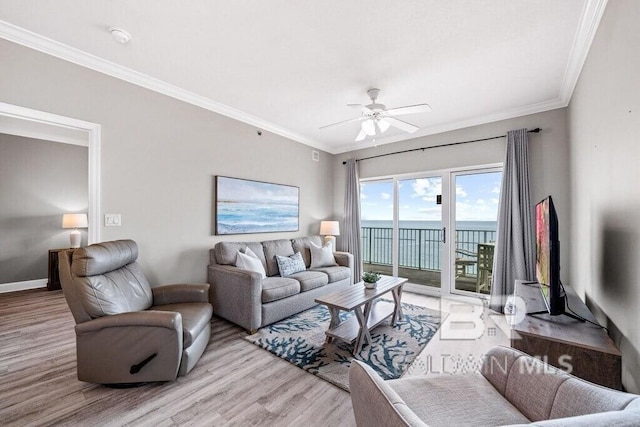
x,y
120,35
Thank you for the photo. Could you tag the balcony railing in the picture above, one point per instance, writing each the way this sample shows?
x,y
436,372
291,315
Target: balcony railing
x,y
419,248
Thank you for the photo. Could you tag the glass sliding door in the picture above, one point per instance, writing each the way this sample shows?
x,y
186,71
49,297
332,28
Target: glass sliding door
x,y
420,230
377,213
437,229
476,195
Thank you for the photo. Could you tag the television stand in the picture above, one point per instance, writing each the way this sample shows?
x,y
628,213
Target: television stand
x,y
564,342
564,308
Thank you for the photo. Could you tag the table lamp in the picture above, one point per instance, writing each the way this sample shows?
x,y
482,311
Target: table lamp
x,y
330,229
75,221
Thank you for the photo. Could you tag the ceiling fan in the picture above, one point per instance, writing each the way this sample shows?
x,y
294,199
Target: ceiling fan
x,y
376,117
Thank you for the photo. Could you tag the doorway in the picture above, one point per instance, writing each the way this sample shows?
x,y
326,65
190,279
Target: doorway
x,y
25,122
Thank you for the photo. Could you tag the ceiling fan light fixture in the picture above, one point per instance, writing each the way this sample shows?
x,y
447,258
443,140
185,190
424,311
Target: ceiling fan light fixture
x,y
369,127
120,35
383,125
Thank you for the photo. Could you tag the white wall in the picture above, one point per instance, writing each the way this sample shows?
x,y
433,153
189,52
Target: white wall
x,y
548,150
604,124
159,159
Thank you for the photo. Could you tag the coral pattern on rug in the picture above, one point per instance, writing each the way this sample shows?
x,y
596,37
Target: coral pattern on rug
x,y
300,339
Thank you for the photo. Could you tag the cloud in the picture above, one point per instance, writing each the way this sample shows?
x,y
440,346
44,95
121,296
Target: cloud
x,y
385,196
426,187
460,191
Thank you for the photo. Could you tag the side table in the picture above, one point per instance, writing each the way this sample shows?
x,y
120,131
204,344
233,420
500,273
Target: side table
x,y
54,277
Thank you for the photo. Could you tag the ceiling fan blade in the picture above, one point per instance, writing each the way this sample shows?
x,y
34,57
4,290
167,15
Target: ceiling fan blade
x,y
402,125
357,119
409,109
362,135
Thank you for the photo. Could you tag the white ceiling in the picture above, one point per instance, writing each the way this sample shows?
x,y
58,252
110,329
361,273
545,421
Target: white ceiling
x,y
290,67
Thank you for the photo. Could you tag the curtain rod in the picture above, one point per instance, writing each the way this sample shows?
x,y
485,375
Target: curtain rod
x,y
536,130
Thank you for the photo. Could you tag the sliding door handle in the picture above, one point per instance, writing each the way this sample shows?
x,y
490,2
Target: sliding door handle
x,y
444,234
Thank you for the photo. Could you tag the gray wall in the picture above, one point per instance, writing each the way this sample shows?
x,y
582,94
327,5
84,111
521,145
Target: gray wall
x,y
548,150
39,181
159,157
604,125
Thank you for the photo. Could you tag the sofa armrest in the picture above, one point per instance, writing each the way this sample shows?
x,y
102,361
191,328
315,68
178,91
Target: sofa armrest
x,y
625,418
180,293
151,318
374,402
236,295
345,259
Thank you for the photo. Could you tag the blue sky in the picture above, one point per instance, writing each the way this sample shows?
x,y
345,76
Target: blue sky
x,y
476,198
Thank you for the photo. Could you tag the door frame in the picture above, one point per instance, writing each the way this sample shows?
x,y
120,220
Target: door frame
x,y
26,122
447,284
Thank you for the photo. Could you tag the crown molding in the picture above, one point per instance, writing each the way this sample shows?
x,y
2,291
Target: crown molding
x,y
62,51
591,17
590,20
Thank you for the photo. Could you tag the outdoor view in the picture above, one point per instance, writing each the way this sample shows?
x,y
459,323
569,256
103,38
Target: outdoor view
x,y
420,233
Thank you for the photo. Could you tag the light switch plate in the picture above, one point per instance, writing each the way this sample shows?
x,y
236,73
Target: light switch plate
x,y
112,220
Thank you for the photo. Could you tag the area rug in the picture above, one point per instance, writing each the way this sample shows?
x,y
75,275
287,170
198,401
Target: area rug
x,y
300,340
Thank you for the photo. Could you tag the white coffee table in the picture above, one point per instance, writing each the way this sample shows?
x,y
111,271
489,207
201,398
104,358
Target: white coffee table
x,y
369,312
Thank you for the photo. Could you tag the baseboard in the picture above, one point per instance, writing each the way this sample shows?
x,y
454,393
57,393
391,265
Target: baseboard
x,y
22,286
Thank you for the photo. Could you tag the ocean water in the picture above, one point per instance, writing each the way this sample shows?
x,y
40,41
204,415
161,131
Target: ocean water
x,y
420,242
434,225
240,218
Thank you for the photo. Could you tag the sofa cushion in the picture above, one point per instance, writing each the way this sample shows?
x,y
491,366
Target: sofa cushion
x,y
310,279
336,273
248,260
322,256
225,252
275,288
195,317
430,398
272,248
301,244
532,386
287,265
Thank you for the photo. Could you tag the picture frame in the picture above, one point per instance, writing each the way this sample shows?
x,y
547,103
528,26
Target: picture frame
x,y
244,206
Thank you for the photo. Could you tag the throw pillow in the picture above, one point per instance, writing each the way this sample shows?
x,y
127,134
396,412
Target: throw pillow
x,y
250,261
290,264
322,256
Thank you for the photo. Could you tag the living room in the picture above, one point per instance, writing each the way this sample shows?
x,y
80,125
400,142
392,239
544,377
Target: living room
x,y
159,155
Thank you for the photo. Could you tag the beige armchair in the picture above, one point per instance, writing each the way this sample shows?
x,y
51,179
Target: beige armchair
x,y
126,331
512,388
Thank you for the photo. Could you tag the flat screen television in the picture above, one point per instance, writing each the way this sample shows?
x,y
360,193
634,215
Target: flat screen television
x,y
548,257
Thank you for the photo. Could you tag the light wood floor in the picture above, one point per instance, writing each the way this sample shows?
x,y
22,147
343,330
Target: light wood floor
x,y
234,383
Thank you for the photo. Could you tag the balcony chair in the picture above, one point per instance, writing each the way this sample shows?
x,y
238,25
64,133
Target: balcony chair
x,y
126,331
485,267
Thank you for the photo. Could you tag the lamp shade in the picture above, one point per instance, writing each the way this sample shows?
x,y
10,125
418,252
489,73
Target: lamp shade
x,y
330,228
75,221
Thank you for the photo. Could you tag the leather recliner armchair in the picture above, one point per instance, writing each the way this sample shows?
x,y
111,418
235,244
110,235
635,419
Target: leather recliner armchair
x,y
126,331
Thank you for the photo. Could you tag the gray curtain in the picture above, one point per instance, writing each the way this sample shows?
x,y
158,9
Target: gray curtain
x,y
351,237
514,256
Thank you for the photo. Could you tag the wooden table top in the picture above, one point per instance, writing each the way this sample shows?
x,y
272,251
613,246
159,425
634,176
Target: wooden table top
x,y
357,295
562,328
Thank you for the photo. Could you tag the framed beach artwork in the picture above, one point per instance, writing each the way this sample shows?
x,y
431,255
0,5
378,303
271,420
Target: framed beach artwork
x,y
243,206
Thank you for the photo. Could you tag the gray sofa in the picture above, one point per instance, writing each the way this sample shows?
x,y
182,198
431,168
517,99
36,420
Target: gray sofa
x,y
248,300
512,389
